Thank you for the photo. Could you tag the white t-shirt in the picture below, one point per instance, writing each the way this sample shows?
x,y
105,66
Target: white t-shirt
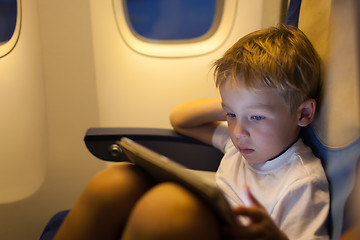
x,y
292,187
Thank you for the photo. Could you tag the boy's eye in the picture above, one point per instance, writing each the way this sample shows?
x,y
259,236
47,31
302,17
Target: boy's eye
x,y
231,115
257,118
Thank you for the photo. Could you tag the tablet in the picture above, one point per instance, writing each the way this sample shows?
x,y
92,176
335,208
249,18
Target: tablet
x,y
164,169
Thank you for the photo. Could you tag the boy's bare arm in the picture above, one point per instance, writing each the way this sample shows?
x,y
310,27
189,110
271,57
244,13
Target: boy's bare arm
x,y
198,119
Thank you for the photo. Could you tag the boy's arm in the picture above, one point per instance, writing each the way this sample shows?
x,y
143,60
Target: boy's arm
x,y
198,119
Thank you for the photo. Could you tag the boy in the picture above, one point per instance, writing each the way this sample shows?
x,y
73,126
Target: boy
x,y
268,82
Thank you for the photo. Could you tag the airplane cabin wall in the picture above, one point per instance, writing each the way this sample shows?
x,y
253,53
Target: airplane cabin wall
x,y
48,102
70,71
23,142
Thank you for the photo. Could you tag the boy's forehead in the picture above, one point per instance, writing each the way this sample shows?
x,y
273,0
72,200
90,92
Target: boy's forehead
x,y
240,81
240,84
259,97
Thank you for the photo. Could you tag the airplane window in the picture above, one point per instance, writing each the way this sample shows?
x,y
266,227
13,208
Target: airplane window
x,y
174,28
9,25
8,12
171,19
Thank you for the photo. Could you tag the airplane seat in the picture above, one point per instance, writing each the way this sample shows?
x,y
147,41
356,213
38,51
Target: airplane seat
x,y
333,136
53,225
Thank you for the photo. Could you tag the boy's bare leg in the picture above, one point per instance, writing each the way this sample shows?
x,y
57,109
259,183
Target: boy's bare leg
x,y
103,208
168,211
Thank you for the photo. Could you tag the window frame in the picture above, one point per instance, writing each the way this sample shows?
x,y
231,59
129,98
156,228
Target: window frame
x,y
8,46
205,44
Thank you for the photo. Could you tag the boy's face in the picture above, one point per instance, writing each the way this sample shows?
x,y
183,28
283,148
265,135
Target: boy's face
x,y
260,123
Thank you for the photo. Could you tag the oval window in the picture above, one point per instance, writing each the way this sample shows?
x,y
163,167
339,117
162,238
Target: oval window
x,y
171,19
9,25
174,28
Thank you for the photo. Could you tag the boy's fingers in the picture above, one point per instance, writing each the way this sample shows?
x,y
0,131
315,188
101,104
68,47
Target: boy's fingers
x,y
255,214
248,199
249,232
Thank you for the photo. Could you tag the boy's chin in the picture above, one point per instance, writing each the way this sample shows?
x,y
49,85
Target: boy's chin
x,y
254,161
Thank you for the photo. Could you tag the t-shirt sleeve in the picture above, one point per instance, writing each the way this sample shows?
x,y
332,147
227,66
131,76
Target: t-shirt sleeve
x,y
220,137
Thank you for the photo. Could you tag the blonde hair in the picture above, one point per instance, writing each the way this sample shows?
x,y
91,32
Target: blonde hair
x,y
280,57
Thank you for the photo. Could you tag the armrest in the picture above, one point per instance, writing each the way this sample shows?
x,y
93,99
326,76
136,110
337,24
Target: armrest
x,y
191,153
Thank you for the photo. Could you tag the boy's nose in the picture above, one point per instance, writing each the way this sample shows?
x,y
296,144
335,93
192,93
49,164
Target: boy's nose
x,y
240,130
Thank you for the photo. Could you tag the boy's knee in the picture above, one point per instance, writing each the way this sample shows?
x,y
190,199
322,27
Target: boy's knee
x,y
103,208
169,211
116,183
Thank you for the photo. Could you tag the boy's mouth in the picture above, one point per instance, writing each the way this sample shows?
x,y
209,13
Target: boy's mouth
x,y
245,150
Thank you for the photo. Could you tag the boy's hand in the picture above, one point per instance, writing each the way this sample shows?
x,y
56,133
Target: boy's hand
x,y
260,226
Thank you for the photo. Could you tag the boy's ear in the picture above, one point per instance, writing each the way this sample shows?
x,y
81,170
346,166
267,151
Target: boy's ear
x,y
306,112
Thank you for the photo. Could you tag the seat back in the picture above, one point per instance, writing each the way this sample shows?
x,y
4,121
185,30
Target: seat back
x,y
334,136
